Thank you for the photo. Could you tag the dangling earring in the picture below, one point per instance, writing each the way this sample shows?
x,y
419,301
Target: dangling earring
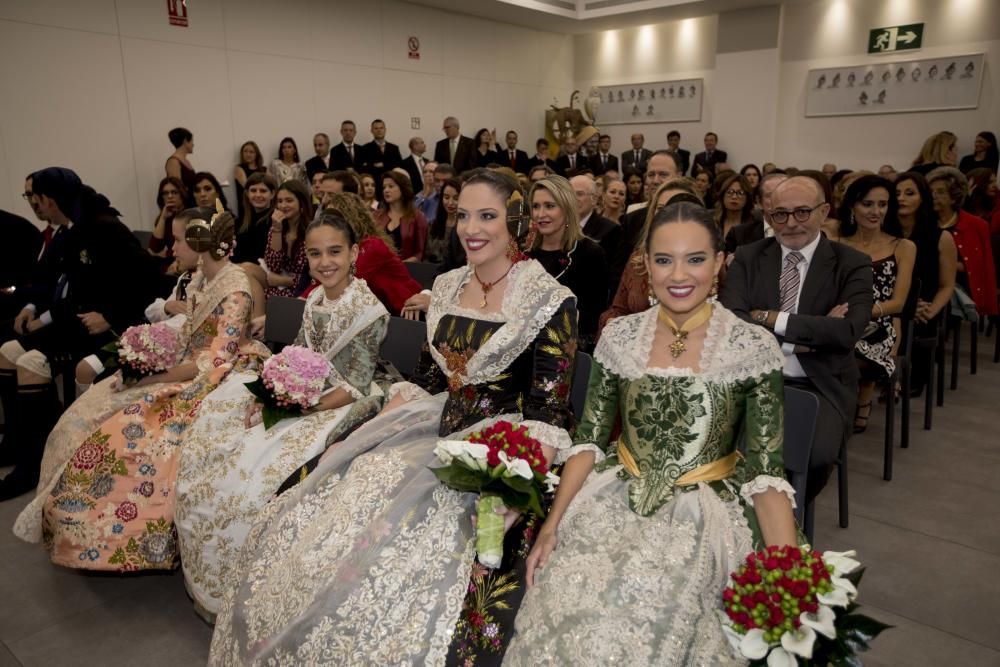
x,y
853,224
514,253
714,292
652,295
354,269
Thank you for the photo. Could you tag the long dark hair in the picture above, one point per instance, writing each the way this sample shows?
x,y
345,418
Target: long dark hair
x,y
298,190
249,215
627,174
440,224
332,218
857,192
291,141
177,183
405,192
925,223
210,177
746,213
978,202
993,152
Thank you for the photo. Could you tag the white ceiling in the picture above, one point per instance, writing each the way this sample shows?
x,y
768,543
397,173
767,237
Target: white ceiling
x,y
580,16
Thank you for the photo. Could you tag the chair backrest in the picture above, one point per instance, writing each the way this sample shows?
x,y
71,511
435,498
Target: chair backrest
x,y
423,272
581,378
403,343
801,410
143,235
284,317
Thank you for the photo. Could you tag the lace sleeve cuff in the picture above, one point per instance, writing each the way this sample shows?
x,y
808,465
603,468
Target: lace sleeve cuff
x,y
407,391
762,483
549,435
566,454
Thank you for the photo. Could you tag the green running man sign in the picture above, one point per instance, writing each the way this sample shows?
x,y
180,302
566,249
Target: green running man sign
x,y
896,38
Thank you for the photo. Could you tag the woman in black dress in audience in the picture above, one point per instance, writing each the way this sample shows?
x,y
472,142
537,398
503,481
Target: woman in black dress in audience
x,y
437,236
177,164
934,269
735,204
485,155
251,162
573,259
634,192
251,232
985,154
207,189
170,200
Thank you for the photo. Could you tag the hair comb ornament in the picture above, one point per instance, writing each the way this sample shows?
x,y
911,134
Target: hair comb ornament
x,y
519,222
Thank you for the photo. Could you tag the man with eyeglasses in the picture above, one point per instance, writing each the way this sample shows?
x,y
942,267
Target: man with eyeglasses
x,y
759,228
816,297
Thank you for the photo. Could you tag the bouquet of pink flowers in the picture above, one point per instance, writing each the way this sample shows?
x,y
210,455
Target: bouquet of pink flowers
x,y
789,606
144,349
507,468
291,381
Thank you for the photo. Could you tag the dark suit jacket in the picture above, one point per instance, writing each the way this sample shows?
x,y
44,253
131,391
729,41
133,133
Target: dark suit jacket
x,y
535,161
702,160
597,165
521,162
744,233
562,164
465,158
837,274
628,159
19,252
340,159
315,164
683,161
416,178
608,235
377,162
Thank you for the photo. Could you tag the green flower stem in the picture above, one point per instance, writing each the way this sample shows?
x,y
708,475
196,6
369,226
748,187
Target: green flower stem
x,y
489,533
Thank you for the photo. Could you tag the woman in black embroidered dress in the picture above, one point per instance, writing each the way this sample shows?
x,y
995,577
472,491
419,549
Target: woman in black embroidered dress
x,y
370,559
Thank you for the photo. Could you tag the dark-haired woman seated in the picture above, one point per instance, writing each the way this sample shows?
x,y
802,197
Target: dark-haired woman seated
x,y
370,559
231,465
869,224
170,198
630,564
436,248
110,505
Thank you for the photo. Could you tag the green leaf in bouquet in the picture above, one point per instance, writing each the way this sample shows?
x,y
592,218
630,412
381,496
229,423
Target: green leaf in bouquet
x,y
461,478
861,627
258,389
524,498
855,576
271,415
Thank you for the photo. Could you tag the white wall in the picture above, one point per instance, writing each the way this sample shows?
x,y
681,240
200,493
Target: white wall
x,y
96,86
755,97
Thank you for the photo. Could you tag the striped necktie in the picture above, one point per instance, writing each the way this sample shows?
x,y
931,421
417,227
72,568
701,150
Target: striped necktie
x,y
789,282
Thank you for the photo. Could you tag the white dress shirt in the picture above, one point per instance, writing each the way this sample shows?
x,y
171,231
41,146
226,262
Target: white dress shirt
x,y
792,366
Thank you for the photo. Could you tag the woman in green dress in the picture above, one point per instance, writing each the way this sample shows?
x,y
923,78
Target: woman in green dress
x,y
630,564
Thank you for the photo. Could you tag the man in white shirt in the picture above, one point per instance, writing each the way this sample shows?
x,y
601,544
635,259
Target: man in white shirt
x,y
816,296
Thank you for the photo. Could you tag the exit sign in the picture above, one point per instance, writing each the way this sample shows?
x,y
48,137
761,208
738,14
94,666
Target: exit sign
x,y
896,38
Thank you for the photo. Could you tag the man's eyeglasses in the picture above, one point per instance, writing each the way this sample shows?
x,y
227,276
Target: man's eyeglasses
x,y
780,216
27,195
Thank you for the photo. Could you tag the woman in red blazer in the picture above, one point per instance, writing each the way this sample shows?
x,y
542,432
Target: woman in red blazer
x,y
406,226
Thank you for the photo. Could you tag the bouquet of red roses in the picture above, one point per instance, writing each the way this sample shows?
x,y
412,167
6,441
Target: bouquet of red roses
x,y
506,467
789,606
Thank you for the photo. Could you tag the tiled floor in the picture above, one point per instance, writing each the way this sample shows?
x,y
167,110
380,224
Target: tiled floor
x,y
930,539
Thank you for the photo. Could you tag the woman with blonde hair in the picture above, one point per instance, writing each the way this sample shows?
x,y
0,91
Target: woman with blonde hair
x,y
938,151
569,256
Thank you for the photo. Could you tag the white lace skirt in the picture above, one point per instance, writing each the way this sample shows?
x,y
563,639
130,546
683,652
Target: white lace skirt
x,y
623,589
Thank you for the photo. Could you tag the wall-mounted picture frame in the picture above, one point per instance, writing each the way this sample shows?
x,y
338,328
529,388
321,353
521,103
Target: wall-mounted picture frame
x,y
903,86
655,102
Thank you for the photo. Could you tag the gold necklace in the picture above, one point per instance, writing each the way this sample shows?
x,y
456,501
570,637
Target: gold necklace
x,y
486,287
681,333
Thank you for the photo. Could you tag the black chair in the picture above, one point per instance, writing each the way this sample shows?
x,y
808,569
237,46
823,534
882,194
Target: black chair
x,y
423,272
581,378
801,411
143,236
284,317
403,343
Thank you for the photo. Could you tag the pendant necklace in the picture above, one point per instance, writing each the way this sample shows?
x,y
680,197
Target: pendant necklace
x,y
681,333
486,287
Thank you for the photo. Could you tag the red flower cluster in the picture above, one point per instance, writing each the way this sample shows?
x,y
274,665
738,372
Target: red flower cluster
x,y
773,587
515,442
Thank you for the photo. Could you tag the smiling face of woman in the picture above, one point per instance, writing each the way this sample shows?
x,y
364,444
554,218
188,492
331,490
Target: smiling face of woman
x,y
330,255
682,266
549,219
482,227
260,196
205,193
288,204
869,211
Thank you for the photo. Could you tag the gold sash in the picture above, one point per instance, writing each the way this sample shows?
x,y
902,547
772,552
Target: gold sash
x,y
714,471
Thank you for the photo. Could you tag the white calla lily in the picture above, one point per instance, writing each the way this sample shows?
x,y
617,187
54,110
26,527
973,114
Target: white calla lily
x,y
474,455
779,657
835,598
842,561
443,451
822,621
800,642
551,481
753,645
519,468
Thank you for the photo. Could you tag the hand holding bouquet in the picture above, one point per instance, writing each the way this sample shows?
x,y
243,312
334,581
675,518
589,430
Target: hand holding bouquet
x,y
143,350
780,609
290,383
507,467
